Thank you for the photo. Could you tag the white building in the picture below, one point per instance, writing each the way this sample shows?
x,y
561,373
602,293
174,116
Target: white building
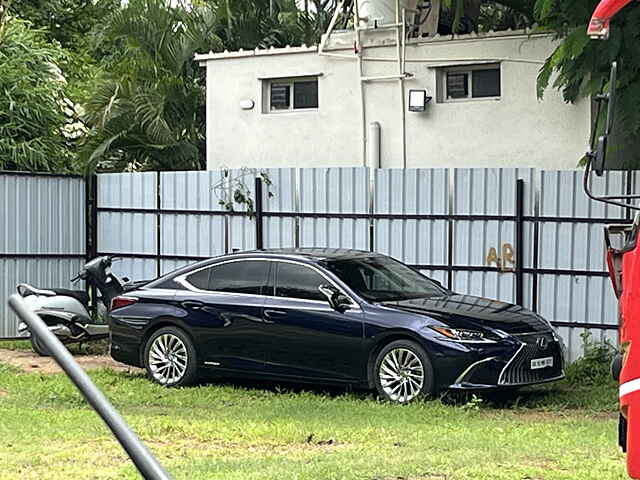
x,y
336,105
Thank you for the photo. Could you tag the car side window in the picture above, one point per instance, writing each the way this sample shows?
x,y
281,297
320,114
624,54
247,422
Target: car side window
x,y
245,276
200,279
298,281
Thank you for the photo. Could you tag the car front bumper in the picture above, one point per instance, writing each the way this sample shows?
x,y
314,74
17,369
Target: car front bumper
x,y
516,369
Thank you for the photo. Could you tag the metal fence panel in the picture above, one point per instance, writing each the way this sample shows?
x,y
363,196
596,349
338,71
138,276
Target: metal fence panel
x,y
337,191
413,192
242,228
189,232
485,192
571,244
417,215
127,221
42,241
280,197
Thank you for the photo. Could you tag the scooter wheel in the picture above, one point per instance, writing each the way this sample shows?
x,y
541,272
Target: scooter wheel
x,y
38,346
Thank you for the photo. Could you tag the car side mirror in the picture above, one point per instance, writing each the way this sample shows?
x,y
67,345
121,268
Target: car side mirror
x,y
337,300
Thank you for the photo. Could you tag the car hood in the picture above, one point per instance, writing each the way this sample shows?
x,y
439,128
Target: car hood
x,y
467,311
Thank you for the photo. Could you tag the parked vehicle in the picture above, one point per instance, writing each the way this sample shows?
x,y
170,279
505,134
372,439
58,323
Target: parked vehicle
x,y
329,316
623,259
67,313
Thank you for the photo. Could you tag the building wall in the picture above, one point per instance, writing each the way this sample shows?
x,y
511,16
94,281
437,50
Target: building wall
x,y
518,130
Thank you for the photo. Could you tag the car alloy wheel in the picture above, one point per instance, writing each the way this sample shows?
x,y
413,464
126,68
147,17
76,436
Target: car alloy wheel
x,y
401,375
168,359
402,372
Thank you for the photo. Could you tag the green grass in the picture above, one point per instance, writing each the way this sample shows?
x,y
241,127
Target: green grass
x,y
243,431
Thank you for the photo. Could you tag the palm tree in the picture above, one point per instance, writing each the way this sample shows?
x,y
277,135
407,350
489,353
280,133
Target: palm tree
x,y
147,108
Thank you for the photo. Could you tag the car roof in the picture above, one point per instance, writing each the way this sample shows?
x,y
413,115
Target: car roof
x,y
308,254
312,253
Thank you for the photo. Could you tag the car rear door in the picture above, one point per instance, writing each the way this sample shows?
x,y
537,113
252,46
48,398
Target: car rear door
x,y
306,336
225,311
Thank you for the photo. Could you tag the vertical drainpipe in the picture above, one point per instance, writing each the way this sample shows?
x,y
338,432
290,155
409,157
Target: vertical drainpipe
x,y
403,72
400,41
373,150
373,145
358,46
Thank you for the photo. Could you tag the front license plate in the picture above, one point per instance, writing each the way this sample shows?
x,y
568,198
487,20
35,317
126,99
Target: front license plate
x,y
538,363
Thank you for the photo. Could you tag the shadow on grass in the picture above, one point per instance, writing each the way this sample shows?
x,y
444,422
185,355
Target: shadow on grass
x,y
95,347
280,386
555,396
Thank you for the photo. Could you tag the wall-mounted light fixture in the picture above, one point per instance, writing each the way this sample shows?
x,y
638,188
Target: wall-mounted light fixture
x,y
247,104
418,100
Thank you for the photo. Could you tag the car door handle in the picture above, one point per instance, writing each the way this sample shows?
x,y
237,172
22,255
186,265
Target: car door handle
x,y
273,314
192,304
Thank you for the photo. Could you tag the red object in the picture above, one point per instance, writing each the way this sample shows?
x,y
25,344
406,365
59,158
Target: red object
x,y
606,9
119,302
630,345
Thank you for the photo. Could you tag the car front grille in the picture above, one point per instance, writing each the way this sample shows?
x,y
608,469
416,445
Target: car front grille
x,y
518,371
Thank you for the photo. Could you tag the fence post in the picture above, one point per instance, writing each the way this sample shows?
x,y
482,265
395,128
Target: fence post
x,y
519,241
258,213
158,225
91,226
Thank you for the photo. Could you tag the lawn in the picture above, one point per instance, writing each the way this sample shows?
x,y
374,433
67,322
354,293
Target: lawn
x,y
235,430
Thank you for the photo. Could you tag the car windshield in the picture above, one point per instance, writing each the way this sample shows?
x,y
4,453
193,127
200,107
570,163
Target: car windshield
x,y
382,279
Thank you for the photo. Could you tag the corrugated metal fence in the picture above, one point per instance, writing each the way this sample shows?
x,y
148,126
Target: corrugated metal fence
x,y
42,241
519,235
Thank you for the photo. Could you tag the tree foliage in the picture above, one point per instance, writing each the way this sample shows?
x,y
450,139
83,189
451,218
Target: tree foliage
x,y
147,108
579,67
38,124
69,22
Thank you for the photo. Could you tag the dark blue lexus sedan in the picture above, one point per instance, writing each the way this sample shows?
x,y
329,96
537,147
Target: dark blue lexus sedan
x,y
329,316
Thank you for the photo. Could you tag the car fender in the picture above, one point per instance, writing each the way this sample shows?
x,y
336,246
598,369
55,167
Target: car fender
x,y
376,343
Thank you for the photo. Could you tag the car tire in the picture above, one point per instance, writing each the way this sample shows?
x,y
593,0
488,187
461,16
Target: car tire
x,y
402,372
38,347
170,358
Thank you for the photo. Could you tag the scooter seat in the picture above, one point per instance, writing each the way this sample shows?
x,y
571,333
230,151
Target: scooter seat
x,y
80,295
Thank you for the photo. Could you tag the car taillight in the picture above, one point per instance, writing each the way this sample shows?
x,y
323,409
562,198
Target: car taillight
x,y
120,302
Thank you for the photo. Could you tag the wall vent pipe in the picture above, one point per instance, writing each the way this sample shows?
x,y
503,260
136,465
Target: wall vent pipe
x,y
373,147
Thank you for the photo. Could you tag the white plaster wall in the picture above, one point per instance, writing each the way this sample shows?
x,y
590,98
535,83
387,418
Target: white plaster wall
x,y
517,130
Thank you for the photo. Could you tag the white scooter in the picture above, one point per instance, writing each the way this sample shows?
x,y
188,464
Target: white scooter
x,y
67,312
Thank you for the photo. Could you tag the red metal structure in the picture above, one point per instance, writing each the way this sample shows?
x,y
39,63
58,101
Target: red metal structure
x,y
606,9
623,262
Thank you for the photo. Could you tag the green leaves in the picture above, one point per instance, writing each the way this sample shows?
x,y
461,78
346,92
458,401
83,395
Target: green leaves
x,y
147,108
133,70
581,66
34,109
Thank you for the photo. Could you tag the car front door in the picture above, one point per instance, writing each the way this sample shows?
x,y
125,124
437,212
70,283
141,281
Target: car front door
x,y
225,311
307,337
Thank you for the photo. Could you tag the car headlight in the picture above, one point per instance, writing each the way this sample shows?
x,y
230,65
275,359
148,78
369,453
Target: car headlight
x,y
462,335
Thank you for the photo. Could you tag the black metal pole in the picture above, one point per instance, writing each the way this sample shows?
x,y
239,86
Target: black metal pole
x,y
519,241
158,225
143,459
91,228
258,214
